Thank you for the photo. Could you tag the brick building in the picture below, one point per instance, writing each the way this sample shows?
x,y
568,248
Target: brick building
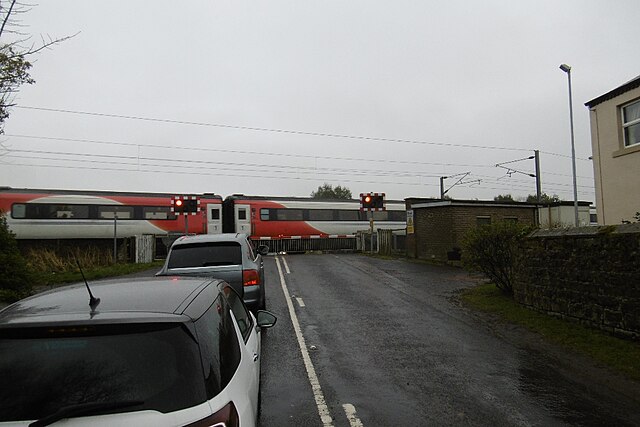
x,y
440,225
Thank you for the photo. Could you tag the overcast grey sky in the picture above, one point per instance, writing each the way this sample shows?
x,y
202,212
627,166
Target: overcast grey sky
x,y
278,97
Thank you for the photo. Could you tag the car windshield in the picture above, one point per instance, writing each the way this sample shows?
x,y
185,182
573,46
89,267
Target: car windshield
x,y
43,370
205,255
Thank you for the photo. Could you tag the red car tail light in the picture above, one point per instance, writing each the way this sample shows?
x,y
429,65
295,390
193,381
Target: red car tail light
x,y
225,417
250,277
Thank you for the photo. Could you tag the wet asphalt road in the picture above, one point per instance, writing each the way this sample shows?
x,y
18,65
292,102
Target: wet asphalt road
x,y
384,337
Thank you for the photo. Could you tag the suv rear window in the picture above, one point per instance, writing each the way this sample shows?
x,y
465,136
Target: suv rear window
x,y
45,369
205,255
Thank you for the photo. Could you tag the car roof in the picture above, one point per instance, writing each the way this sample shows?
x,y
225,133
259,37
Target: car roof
x,y
121,301
206,238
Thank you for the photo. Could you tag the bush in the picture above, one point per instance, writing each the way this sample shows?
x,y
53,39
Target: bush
x,y
493,251
16,280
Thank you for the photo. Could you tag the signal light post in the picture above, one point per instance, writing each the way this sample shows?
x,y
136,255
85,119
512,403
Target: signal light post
x,y
372,202
185,205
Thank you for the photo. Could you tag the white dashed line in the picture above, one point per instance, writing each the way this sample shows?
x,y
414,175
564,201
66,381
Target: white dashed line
x,y
350,410
300,302
286,266
323,409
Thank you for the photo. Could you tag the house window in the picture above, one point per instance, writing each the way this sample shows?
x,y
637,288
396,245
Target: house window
x,y
483,220
631,124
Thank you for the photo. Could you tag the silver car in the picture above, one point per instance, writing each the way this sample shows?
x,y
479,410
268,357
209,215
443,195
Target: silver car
x,y
229,256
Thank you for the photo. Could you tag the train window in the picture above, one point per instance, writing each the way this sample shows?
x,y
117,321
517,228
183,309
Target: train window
x,y
348,215
39,211
398,216
53,211
320,215
215,214
18,211
289,214
380,215
69,211
109,212
73,211
264,214
242,214
157,212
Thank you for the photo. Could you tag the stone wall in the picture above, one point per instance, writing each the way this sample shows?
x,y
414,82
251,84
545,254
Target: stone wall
x,y
590,274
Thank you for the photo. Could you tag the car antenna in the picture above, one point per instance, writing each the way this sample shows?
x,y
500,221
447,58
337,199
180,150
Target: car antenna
x,y
93,301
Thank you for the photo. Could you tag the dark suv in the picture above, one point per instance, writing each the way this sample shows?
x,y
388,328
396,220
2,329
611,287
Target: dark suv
x,y
168,351
229,256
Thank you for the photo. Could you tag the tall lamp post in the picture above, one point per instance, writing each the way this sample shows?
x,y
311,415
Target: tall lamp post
x,y
567,69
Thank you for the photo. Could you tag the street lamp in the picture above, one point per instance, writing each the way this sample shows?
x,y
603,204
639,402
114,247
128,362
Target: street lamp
x,y
567,69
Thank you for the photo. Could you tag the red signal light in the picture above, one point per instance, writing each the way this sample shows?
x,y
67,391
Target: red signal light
x,y
372,201
185,205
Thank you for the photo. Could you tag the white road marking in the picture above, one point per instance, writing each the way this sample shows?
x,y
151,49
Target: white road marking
x,y
323,409
350,410
300,302
286,266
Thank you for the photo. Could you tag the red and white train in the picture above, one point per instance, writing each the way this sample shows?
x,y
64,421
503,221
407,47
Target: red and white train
x,y
71,214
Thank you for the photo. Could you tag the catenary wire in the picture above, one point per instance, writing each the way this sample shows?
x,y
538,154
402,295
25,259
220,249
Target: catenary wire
x,y
135,167
261,153
242,175
304,156
281,131
297,169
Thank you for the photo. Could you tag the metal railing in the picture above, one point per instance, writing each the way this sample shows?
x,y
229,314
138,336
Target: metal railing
x,y
309,244
384,242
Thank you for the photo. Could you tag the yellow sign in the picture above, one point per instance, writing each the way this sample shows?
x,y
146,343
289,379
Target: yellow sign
x,y
410,221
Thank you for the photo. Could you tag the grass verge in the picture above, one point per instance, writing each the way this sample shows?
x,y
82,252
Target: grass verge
x,y
618,354
55,279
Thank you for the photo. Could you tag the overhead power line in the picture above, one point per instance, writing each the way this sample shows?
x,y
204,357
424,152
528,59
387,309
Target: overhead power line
x,y
259,153
188,163
225,165
262,153
274,130
241,175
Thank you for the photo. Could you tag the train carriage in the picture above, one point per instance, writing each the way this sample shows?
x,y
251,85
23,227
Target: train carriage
x,y
289,223
302,223
71,214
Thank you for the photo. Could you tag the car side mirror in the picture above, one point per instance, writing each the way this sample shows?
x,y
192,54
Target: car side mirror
x,y
263,249
266,319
